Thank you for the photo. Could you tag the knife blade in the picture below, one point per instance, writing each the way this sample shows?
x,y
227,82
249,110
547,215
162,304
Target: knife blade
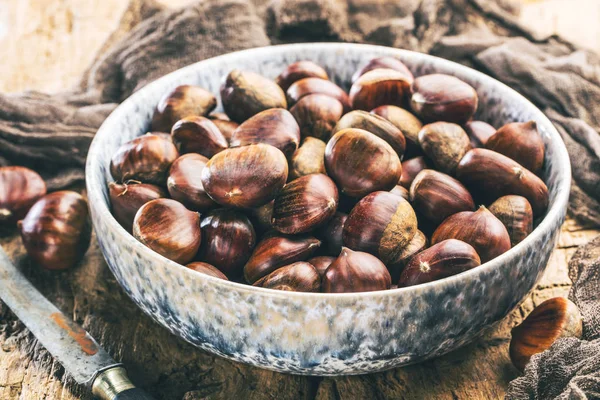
x,y
81,356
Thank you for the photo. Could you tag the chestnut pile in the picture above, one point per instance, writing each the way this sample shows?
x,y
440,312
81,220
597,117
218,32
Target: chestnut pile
x,y
301,186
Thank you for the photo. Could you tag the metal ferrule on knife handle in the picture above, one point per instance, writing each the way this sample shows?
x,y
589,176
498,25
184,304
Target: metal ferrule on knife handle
x,y
109,383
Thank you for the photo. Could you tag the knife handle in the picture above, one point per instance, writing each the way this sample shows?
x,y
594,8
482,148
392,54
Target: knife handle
x,y
113,384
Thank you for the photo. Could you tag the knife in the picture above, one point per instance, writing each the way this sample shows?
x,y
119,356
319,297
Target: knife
x,y
70,344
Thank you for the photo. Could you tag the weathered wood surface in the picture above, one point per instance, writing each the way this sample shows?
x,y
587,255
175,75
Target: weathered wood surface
x,y
54,31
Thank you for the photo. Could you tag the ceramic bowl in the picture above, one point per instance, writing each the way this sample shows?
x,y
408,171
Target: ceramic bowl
x,y
323,334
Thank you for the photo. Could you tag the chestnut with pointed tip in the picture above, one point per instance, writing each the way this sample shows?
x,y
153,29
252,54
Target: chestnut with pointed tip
x,y
437,196
492,175
439,97
200,135
445,144
553,319
415,246
276,250
245,177
127,198
481,229
516,214
275,126
185,184
146,159
228,239
479,132
411,168
245,93
408,124
181,102
317,115
20,188
331,234
56,231
386,62
299,70
308,159
307,86
297,277
207,269
355,271
520,141
321,263
379,87
382,224
361,163
376,125
443,259
168,228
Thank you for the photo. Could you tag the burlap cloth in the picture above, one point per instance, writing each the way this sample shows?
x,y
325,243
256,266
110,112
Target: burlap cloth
x,y
52,133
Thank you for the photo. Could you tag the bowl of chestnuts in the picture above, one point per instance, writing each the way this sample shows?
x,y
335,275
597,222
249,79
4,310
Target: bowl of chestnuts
x,y
327,209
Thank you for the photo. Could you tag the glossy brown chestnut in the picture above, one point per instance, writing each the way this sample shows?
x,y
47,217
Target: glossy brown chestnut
x,y
164,135
481,229
520,141
516,214
331,234
308,159
445,144
384,62
198,135
416,245
245,94
411,168
300,70
297,277
304,204
382,224
479,132
127,198
56,231
380,87
443,259
317,115
245,177
401,191
321,263
228,239
275,126
276,250
437,196
375,124
261,217
439,97
307,86
168,228
361,163
226,127
20,188
146,159
355,271
181,102
219,116
185,183
408,124
553,319
207,269
493,175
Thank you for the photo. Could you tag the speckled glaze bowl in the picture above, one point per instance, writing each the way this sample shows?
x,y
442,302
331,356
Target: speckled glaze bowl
x,y
323,334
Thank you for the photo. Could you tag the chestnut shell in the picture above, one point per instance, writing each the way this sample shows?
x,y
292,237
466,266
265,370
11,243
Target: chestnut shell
x,y
380,87
386,62
297,277
516,214
331,234
207,269
299,70
198,135
355,271
308,159
127,198
445,144
181,102
479,132
520,141
185,184
20,188
307,86
317,115
408,124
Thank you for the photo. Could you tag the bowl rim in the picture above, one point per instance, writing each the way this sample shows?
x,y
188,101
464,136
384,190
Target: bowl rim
x,y
554,214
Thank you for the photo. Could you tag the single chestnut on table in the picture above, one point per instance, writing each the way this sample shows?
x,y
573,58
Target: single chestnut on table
x,y
168,228
245,177
185,184
146,159
304,204
56,231
181,102
408,124
520,141
321,263
20,188
300,276
380,87
439,97
411,168
355,271
516,214
385,62
200,135
382,224
276,250
445,144
308,159
300,70
127,198
317,115
308,86
207,269
481,229
479,132
361,163
245,94
228,239
331,234
443,259
275,126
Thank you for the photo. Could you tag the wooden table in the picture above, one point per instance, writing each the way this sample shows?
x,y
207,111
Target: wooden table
x,y
157,360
